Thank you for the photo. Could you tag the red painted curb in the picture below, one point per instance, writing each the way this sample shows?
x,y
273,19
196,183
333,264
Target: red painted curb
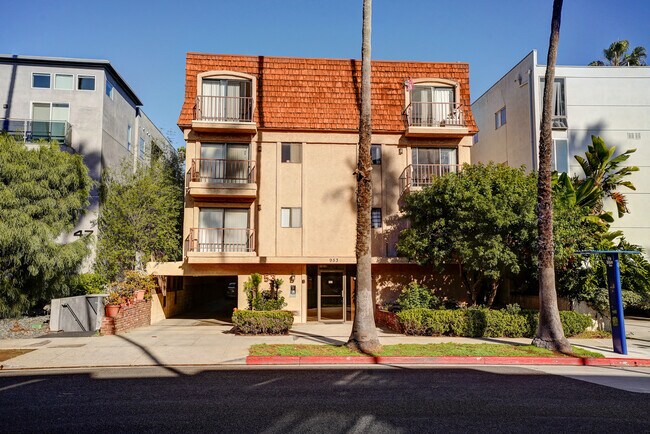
x,y
616,362
443,360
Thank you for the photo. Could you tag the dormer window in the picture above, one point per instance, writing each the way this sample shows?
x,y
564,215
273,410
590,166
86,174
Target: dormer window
x,y
225,100
433,103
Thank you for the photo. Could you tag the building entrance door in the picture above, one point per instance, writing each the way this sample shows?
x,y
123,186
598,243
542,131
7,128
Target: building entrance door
x,y
331,295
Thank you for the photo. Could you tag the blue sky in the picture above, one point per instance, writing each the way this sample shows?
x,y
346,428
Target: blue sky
x,y
146,41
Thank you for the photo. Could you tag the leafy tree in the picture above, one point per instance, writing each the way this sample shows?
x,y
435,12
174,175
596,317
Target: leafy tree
x,y
483,219
43,192
140,218
617,55
364,333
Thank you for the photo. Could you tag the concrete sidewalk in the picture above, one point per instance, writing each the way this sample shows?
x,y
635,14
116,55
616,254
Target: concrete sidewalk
x,y
178,342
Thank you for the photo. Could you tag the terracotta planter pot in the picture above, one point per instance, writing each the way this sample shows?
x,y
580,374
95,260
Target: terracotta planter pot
x,y
139,294
111,310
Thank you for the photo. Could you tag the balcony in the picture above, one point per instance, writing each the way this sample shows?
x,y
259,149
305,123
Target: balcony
x,y
416,176
30,131
435,119
226,178
228,114
219,242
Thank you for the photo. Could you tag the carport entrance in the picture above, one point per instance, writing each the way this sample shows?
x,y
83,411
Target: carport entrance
x,y
211,297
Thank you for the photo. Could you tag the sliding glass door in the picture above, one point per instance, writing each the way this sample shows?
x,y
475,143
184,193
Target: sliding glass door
x,y
223,230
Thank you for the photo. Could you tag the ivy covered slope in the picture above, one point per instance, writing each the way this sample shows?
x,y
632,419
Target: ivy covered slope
x,y
43,192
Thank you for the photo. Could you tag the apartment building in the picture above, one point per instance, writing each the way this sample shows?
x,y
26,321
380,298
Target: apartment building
x,y
271,151
87,107
606,101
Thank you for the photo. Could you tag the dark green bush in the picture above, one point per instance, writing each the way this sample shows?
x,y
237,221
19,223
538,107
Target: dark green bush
x,y
272,322
416,296
482,322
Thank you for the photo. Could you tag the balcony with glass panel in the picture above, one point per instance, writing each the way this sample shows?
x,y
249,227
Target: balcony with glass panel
x,y
223,170
224,105
33,131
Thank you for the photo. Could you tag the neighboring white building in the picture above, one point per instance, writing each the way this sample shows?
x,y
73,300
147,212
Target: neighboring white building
x,y
606,101
86,106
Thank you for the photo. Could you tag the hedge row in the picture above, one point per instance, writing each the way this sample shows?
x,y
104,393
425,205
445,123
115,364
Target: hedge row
x,y
483,323
269,322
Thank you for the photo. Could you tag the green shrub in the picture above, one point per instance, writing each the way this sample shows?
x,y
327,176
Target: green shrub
x,y
274,322
482,322
88,283
416,296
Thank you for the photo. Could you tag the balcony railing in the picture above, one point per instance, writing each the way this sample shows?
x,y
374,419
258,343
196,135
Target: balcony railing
x,y
223,108
421,175
28,130
222,171
435,114
220,240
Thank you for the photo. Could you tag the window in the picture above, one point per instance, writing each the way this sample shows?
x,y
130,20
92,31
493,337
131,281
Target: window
x,y
433,106
500,118
560,155
142,146
291,153
375,154
64,81
109,89
428,163
49,120
223,230
226,100
85,82
226,163
559,121
41,80
291,217
475,139
375,218
128,138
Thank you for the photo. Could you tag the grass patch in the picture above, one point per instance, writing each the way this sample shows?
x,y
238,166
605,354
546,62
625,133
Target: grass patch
x,y
428,350
10,354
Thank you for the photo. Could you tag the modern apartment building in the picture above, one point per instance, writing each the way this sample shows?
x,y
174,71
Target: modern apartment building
x,y
83,104
271,151
606,101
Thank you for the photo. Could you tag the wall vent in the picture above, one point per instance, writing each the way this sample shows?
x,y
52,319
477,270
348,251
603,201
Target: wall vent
x,y
634,136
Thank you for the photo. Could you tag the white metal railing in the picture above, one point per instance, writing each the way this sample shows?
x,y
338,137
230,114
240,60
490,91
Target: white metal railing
x,y
224,108
421,175
435,114
220,240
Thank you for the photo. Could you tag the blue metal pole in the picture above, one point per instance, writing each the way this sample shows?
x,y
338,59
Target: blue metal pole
x,y
616,303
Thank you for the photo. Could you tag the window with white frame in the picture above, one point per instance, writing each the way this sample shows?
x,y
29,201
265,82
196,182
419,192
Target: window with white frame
x,y
433,106
49,120
291,153
375,154
375,218
500,118
41,80
226,100
85,82
475,139
109,89
560,155
559,121
291,217
64,81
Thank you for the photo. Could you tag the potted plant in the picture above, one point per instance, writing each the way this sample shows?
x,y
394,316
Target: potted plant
x,y
113,302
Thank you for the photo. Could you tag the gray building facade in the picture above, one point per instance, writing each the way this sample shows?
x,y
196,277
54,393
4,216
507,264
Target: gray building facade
x,y
87,107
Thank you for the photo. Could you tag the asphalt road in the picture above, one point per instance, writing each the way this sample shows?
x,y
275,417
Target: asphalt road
x,y
375,400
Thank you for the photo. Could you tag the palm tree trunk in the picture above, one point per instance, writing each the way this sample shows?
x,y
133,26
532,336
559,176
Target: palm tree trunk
x,y
364,333
549,332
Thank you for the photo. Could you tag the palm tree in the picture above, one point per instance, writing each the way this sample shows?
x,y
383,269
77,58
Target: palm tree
x,y
549,332
617,55
364,333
